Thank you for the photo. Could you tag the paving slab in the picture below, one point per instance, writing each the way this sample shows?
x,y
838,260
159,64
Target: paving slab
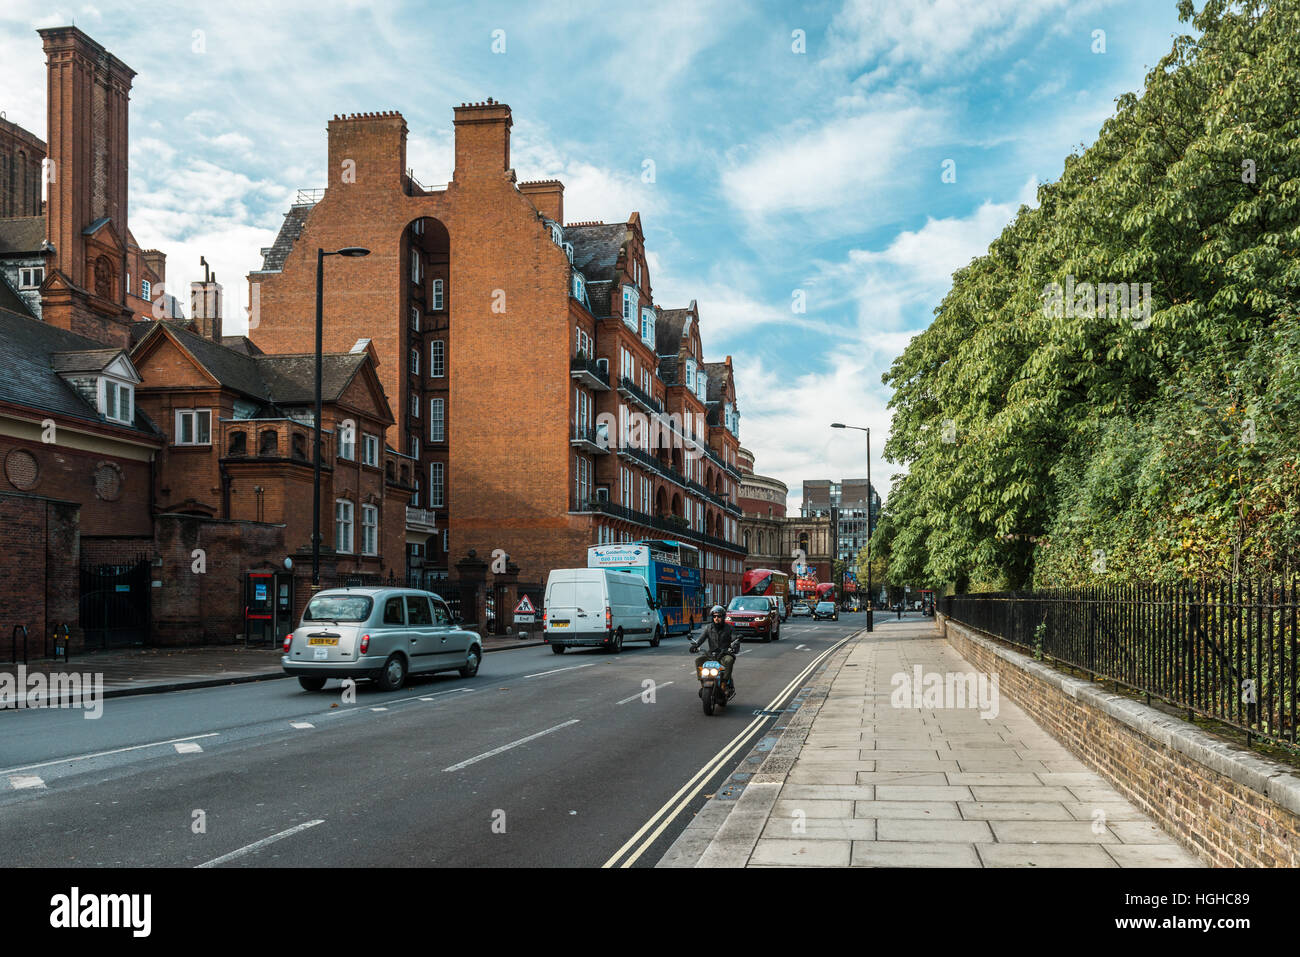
x,y
803,853
1044,855
1014,811
916,810
910,854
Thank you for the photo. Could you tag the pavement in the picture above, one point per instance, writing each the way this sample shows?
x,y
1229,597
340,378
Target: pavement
x,y
133,671
865,774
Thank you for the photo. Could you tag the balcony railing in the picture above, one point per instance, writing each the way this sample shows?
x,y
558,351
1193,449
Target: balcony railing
x,y
632,390
589,372
422,519
673,525
588,439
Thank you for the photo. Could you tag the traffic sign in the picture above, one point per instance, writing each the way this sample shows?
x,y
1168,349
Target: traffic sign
x,y
525,607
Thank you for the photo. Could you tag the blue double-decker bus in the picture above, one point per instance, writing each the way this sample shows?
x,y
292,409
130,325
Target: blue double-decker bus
x,y
671,569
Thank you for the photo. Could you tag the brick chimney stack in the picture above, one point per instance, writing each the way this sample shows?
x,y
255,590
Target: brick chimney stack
x,y
482,139
205,304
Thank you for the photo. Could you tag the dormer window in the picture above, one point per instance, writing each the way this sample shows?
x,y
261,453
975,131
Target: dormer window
x,y
579,287
117,401
690,374
31,277
648,326
702,384
557,234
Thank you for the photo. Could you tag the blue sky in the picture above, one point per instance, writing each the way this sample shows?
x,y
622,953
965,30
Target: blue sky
x,y
773,170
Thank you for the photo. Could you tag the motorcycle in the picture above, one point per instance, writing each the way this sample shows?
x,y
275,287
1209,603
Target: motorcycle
x,y
713,690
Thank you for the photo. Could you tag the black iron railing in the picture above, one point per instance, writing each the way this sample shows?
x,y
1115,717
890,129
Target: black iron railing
x,y
631,388
584,363
1228,651
673,524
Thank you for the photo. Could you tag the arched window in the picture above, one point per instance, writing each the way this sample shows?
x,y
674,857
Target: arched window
x,y
238,443
269,443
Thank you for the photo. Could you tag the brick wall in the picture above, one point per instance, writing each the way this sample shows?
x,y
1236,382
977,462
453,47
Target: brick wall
x,y
38,561
1228,805
208,608
116,504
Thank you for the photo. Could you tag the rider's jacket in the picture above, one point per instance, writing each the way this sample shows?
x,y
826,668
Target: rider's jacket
x,y
717,638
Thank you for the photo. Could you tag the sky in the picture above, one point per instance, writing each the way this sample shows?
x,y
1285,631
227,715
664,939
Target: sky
x,y
811,175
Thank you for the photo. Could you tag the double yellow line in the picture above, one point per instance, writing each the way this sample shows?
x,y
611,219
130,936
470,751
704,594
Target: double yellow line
x,y
686,794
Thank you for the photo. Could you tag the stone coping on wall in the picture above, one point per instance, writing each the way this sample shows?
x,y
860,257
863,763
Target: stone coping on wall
x,y
1267,779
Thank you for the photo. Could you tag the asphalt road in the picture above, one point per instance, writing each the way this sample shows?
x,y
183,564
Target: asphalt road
x,y
541,760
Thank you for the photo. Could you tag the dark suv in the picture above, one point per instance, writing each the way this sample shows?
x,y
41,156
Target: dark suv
x,y
827,610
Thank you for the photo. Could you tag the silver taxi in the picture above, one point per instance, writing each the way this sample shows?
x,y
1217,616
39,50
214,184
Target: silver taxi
x,y
384,634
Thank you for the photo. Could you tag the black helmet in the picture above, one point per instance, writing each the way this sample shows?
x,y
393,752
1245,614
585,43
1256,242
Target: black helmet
x,y
717,610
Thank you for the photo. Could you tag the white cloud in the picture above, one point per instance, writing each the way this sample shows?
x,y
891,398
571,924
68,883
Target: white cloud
x,y
785,422
844,162
934,37
591,192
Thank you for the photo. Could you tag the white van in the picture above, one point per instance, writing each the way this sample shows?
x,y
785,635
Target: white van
x,y
598,607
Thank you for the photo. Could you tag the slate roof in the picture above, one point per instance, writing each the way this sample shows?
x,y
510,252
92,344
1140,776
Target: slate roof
x,y
596,248
84,360
599,294
295,219
241,344
12,301
30,380
292,379
273,380
668,330
668,370
718,373
232,369
22,234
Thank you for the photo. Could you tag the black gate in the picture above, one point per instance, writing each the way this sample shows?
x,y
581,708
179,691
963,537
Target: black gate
x,y
115,604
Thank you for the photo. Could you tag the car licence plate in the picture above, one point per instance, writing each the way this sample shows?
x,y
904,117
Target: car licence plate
x,y
322,641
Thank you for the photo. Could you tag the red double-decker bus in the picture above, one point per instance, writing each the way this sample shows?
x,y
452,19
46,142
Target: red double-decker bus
x,y
766,581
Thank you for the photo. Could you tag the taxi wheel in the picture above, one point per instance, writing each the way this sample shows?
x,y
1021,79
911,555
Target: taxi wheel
x,y
312,684
393,675
471,664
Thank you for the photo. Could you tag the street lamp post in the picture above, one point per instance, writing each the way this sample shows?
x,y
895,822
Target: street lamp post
x,y
871,598
353,252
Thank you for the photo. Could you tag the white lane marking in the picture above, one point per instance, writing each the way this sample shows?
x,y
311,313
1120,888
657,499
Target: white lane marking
x,y
301,724
542,674
662,684
355,709
802,648
702,776
248,849
20,781
187,747
507,747
100,754
378,709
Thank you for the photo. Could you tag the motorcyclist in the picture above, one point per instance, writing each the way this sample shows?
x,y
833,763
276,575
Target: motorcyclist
x,y
722,643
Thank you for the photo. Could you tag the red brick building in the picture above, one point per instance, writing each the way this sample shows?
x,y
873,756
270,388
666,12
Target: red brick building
x,y
147,468
71,258
505,340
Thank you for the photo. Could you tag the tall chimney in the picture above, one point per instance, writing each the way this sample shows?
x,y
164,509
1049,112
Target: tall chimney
x,y
205,304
